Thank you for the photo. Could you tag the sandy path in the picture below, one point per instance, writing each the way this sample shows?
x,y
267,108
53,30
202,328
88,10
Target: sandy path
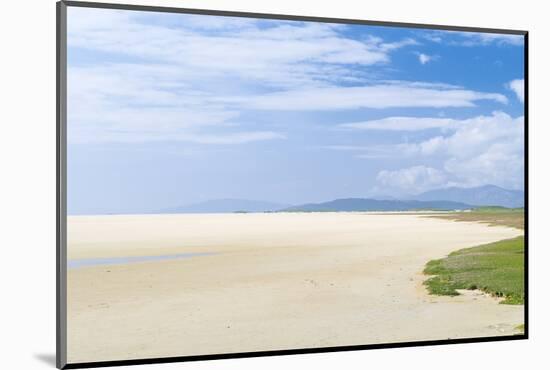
x,y
278,281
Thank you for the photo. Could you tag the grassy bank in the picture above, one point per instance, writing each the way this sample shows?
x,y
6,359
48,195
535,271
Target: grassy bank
x,y
494,216
496,268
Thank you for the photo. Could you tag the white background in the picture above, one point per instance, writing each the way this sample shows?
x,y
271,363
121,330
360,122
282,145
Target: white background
x,y
27,196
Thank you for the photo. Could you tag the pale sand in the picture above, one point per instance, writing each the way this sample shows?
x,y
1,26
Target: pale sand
x,y
278,281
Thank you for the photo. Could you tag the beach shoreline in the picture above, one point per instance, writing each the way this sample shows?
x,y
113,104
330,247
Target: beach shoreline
x,y
272,281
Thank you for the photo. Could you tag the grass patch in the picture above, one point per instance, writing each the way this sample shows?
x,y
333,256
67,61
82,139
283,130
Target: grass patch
x,y
494,216
496,268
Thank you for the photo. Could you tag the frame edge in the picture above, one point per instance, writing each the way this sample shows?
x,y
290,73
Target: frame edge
x,y
526,180
61,169
61,161
291,17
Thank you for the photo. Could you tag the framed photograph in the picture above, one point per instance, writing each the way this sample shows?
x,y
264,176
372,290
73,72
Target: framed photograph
x,y
237,184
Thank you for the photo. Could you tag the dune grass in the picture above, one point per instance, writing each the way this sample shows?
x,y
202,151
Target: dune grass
x,y
496,268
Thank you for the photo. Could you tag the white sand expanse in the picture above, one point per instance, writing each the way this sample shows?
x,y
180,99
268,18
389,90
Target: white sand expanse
x,y
275,281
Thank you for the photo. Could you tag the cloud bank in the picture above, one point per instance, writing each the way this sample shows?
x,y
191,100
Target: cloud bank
x,y
479,150
161,82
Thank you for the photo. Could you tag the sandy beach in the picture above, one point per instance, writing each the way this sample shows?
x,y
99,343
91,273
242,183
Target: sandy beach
x,y
268,282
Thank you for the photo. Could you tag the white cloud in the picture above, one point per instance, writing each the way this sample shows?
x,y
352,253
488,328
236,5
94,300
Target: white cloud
x,y
488,150
385,151
274,52
375,96
133,103
460,38
229,138
479,150
424,58
375,151
479,38
214,23
175,78
344,148
398,45
476,135
417,179
401,124
432,36
168,85
232,138
423,123
517,86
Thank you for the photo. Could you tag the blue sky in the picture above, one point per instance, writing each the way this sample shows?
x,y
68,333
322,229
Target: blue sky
x,y
171,109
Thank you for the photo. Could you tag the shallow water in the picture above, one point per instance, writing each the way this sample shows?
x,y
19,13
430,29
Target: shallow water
x,y
86,262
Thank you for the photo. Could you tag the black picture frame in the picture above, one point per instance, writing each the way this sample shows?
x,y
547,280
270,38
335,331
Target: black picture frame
x,y
61,188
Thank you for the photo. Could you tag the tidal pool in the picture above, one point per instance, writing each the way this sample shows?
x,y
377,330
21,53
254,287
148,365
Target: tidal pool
x,y
87,262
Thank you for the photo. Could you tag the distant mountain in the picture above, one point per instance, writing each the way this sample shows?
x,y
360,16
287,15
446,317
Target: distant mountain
x,y
361,204
488,195
226,206
441,199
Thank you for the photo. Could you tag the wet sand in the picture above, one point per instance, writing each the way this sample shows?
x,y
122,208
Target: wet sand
x,y
270,281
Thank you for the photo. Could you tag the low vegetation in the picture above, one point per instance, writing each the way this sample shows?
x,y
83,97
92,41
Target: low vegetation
x,y
494,216
521,328
496,268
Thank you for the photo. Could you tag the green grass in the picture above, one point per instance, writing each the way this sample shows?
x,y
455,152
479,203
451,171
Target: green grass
x,y
497,209
496,268
494,216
